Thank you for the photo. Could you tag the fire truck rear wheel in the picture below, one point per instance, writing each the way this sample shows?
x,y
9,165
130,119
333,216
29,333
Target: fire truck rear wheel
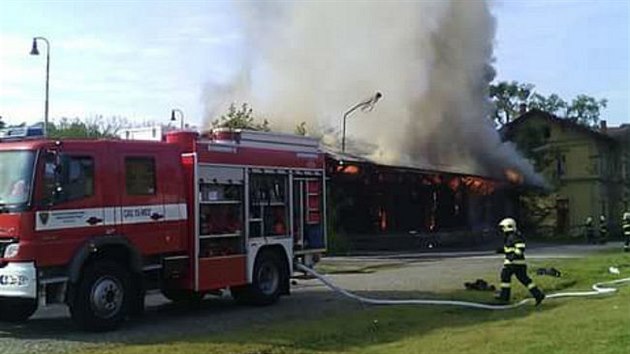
x,y
268,277
16,310
102,298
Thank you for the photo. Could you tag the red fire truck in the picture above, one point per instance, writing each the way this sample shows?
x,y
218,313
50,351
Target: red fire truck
x,y
96,224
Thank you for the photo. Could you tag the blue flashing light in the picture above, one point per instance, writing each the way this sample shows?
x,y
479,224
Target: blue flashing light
x,y
19,133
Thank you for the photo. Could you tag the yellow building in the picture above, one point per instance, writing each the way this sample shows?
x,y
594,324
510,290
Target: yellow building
x,y
588,170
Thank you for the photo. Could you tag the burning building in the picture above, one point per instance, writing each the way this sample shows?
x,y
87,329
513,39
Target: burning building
x,y
380,206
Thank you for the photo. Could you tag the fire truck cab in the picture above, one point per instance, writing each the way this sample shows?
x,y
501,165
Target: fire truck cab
x,y
95,224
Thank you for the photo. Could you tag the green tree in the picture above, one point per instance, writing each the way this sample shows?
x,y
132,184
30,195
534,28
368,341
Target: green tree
x,y
90,128
242,118
508,96
552,104
586,110
1,123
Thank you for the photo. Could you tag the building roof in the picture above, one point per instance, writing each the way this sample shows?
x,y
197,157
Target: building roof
x,y
619,132
508,129
355,159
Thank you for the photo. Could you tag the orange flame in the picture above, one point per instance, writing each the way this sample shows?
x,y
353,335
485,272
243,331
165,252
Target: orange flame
x,y
382,215
513,176
348,169
479,185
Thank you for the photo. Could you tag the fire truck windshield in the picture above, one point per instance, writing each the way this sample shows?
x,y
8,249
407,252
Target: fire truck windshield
x,y
16,173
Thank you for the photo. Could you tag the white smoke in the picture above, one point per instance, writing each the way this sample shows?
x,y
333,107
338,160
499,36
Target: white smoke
x,y
312,60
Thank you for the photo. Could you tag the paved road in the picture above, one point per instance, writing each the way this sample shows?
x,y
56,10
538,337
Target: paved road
x,y
52,331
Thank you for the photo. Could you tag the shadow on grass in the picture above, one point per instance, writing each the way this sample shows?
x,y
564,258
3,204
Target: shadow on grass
x,y
374,325
315,319
353,269
334,325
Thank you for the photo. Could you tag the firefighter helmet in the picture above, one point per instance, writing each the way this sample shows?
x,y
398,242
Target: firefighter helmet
x,y
589,220
508,225
626,216
602,218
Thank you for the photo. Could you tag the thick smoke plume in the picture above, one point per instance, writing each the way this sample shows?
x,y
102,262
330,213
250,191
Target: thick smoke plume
x,y
311,61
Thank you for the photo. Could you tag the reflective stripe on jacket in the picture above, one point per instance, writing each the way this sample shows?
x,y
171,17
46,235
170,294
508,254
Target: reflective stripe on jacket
x,y
514,248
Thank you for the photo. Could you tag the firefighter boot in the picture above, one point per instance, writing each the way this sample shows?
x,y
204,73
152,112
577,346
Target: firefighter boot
x,y
504,294
537,294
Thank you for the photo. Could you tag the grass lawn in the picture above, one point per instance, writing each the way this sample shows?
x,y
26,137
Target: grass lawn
x,y
577,325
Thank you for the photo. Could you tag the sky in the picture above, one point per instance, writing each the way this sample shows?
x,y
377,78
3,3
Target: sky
x,y
140,59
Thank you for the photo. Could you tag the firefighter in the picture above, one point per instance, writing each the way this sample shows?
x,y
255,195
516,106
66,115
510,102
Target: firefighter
x,y
589,232
625,226
514,263
603,229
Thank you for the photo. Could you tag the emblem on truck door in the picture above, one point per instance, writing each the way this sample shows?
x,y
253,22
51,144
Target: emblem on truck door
x,y
43,217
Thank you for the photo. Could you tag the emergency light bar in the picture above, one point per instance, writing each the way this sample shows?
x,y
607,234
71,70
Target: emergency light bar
x,y
18,133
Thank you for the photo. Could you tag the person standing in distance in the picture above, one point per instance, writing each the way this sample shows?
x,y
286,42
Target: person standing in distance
x,y
589,231
603,229
625,226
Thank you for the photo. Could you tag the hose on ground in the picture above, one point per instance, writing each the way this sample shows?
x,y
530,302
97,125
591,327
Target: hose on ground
x,y
598,289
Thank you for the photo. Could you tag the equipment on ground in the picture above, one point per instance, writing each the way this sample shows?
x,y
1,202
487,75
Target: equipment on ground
x,y
480,285
549,271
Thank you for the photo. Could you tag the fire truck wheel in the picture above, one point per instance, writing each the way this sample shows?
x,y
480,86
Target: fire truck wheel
x,y
268,277
182,296
102,297
136,308
16,310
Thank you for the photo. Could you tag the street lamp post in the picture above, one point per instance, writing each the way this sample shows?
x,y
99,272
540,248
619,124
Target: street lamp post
x,y
364,105
181,115
35,51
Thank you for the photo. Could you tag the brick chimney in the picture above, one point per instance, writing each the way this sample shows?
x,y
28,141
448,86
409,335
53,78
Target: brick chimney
x,y
603,126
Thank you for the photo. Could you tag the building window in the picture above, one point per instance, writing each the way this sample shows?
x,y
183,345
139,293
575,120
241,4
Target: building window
x,y
561,162
140,175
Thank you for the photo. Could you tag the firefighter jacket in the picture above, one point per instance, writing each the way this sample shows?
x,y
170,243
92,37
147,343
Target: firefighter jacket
x,y
588,224
626,227
514,248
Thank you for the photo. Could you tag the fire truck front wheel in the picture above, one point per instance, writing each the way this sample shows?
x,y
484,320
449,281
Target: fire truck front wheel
x,y
102,297
269,275
16,310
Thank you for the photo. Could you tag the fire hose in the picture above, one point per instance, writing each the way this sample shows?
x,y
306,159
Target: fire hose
x,y
600,288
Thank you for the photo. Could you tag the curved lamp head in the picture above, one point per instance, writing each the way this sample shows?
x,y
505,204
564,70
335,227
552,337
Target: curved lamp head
x,y
34,50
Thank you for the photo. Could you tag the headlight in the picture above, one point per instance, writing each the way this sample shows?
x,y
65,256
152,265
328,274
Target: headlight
x,y
11,250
